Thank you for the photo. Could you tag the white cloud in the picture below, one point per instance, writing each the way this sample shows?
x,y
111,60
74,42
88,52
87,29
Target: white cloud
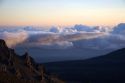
x,y
14,38
58,37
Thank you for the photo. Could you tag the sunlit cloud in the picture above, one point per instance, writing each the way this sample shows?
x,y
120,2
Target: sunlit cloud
x,y
14,38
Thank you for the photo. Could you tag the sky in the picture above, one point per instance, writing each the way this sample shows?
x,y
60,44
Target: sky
x,y
62,12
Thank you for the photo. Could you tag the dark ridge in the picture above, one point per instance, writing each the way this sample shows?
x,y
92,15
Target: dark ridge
x,y
22,69
109,68
2,43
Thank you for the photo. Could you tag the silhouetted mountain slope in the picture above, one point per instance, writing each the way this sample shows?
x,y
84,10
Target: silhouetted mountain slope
x,y
109,68
21,69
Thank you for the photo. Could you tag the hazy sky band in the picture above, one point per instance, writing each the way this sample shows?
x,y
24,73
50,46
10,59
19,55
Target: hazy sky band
x,y
61,12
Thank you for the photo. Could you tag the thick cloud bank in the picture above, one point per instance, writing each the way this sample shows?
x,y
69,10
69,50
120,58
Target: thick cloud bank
x,y
80,36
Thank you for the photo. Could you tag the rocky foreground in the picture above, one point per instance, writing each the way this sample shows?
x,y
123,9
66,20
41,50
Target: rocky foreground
x,y
22,69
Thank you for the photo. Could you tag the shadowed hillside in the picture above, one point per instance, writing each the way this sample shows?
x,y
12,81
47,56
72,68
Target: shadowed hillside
x,y
109,68
21,69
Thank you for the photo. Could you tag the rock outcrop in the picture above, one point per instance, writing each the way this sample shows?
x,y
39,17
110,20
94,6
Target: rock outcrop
x,y
21,69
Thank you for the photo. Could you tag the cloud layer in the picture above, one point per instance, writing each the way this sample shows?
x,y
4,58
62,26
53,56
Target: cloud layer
x,y
81,36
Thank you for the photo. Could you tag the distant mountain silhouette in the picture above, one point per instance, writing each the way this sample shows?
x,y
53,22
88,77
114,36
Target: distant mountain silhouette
x,y
109,68
21,69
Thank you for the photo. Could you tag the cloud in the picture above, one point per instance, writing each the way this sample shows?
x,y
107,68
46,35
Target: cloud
x,y
55,45
67,37
83,28
119,29
54,29
56,40
114,39
14,38
83,35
